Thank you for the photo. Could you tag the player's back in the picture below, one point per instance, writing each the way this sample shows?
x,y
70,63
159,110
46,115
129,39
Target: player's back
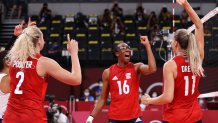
x,y
27,93
184,107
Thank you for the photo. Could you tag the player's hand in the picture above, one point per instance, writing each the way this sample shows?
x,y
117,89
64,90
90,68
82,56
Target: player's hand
x,y
144,40
182,2
18,29
145,99
72,45
31,23
89,119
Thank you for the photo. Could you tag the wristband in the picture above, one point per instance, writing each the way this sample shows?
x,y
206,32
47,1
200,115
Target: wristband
x,y
90,118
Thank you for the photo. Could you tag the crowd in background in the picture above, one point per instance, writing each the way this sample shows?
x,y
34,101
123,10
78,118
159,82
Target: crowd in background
x,y
15,8
113,19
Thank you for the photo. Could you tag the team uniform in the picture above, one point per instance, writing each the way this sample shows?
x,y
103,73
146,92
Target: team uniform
x,y
124,89
27,91
3,99
184,108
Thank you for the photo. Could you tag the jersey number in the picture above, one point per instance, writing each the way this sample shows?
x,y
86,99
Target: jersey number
x,y
186,78
123,89
21,76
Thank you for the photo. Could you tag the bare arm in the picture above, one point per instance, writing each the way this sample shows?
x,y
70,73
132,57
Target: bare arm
x,y
168,93
72,47
103,97
52,68
5,84
104,93
199,29
151,67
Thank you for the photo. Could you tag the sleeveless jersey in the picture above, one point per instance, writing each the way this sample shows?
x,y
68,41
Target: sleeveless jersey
x,y
27,91
184,108
124,89
3,98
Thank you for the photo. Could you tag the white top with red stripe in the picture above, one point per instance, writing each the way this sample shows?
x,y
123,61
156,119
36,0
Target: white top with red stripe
x,y
3,99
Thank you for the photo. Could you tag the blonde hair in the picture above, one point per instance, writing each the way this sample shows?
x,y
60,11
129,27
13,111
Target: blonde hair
x,y
188,42
25,44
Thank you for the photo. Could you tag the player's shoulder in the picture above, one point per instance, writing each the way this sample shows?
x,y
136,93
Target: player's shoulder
x,y
106,71
170,64
105,74
45,60
137,65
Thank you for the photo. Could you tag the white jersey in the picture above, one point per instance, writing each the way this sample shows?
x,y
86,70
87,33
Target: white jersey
x,y
62,119
3,98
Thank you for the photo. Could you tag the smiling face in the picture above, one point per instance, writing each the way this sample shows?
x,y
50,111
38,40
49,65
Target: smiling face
x,y
123,52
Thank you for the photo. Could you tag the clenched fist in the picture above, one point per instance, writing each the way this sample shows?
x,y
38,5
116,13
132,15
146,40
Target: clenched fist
x,y
144,40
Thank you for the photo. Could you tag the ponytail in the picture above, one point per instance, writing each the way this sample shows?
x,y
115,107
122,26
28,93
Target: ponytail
x,y
194,56
25,45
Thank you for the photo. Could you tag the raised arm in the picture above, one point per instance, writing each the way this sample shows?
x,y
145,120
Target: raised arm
x,y
103,97
199,29
151,67
52,68
17,31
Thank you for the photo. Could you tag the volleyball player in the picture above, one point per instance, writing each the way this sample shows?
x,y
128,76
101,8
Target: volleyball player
x,y
122,81
181,75
29,71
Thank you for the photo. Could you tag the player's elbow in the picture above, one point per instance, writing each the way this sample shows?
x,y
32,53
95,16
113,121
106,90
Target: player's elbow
x,y
168,99
75,80
102,101
154,69
78,81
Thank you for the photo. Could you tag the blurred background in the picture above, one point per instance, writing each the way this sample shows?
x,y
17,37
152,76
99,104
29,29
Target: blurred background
x,y
98,25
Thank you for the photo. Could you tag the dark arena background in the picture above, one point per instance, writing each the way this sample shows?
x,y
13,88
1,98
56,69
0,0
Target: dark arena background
x,y
92,24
